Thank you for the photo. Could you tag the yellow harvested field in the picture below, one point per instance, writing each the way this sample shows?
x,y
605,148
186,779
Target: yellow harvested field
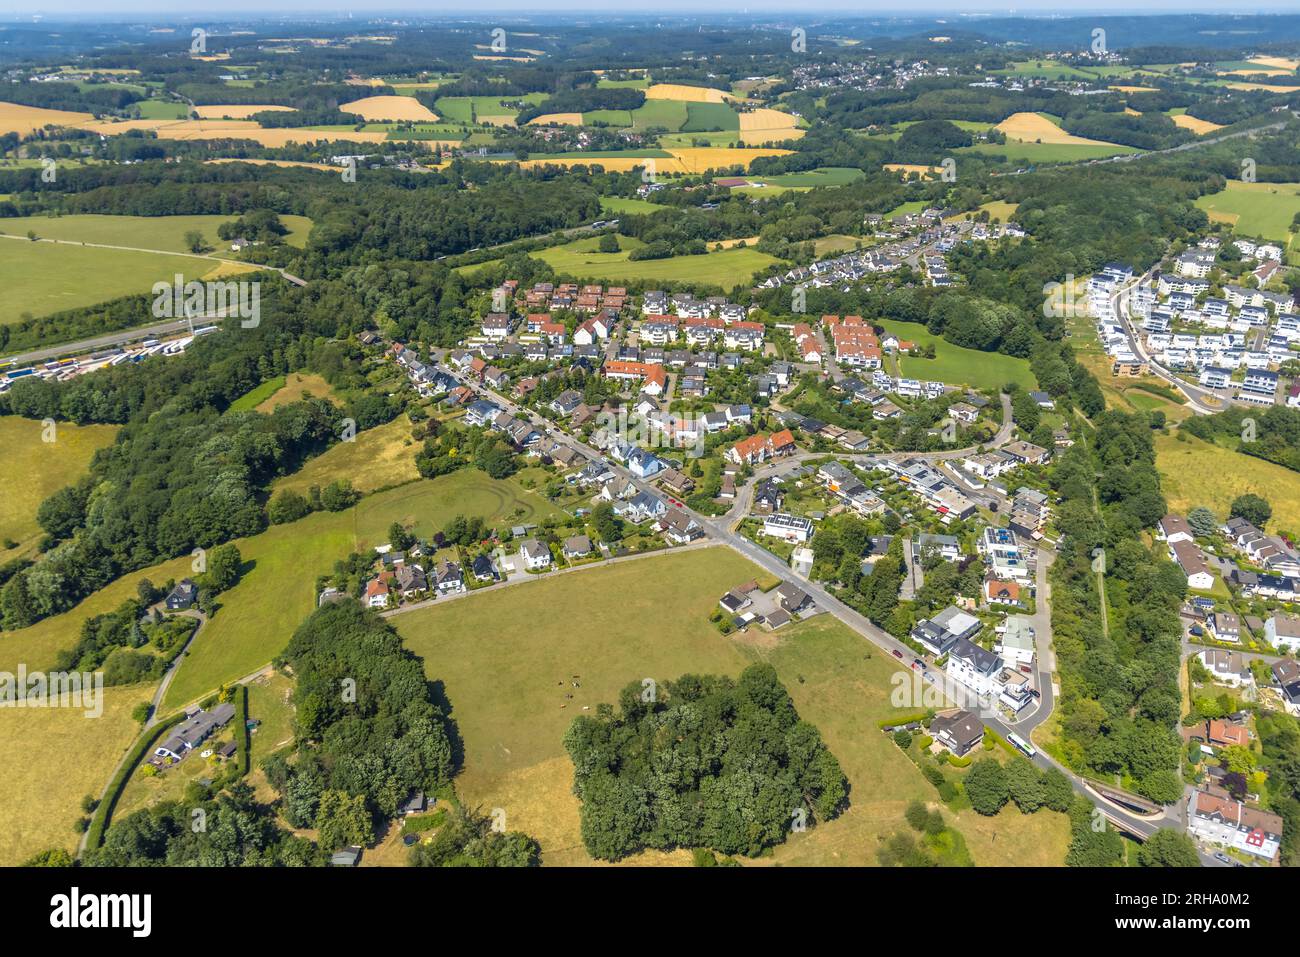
x,y
234,129
912,168
687,160
1198,127
25,120
237,111
267,162
1033,128
765,125
703,158
1131,112
1277,62
556,119
378,109
1270,87
1135,89
691,94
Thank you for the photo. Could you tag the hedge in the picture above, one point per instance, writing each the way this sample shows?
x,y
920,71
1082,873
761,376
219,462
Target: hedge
x,y
241,729
902,719
98,824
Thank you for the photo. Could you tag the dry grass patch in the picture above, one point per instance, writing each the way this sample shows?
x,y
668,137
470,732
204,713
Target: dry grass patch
x,y
297,387
53,757
377,458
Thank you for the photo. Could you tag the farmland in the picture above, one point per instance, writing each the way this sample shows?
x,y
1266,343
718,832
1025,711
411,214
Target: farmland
x,y
27,119
1255,209
44,277
166,233
727,268
35,469
378,108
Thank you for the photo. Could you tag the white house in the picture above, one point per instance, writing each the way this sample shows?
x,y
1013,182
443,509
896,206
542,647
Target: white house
x,y
791,528
534,554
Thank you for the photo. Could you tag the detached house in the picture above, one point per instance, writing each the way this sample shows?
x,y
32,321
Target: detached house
x,y
534,554
958,731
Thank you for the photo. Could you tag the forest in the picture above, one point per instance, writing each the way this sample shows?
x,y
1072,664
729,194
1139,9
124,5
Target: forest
x,y
704,762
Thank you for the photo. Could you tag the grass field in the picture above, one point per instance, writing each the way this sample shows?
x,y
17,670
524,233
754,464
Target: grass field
x,y
507,684
726,269
167,110
1255,209
955,364
52,758
1196,473
41,278
620,205
823,176
1031,153
295,387
277,592
166,233
706,117
34,470
377,458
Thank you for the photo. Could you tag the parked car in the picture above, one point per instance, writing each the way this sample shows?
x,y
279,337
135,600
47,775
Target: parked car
x,y
1196,630
1223,858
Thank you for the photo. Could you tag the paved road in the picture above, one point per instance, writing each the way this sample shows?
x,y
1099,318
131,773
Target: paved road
x,y
1202,400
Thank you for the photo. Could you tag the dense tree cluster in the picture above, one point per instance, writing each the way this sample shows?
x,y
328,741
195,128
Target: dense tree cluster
x,y
703,762
367,731
1119,671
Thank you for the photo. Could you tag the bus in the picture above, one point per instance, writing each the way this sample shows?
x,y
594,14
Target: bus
x,y
1021,745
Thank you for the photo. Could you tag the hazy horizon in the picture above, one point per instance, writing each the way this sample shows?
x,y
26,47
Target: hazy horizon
x,y
48,10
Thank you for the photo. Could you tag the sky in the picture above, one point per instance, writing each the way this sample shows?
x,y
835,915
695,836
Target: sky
x,y
226,9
